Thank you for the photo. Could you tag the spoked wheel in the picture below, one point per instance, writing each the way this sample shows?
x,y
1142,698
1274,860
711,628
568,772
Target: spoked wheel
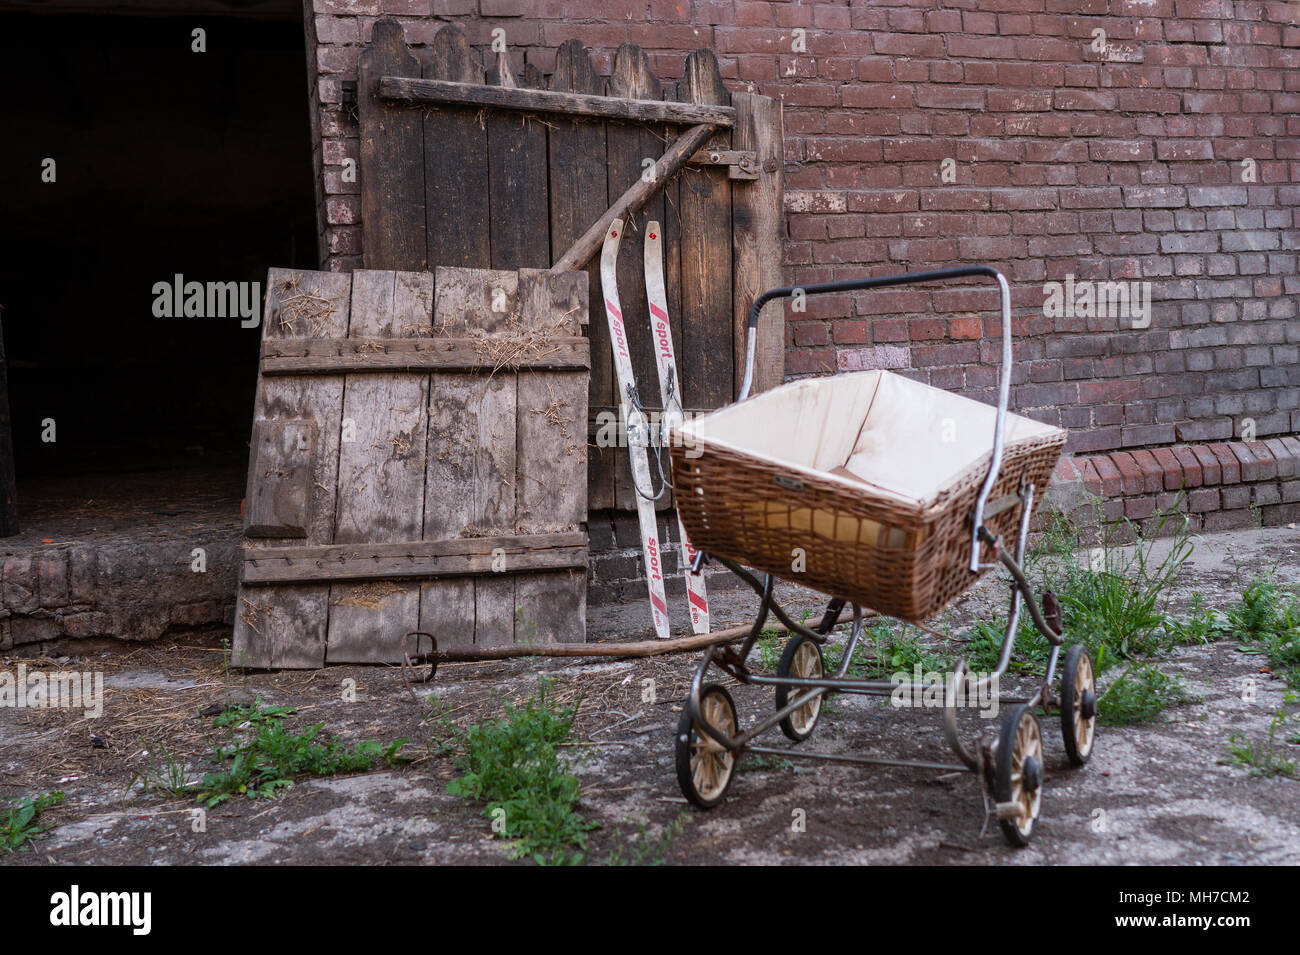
x,y
1018,786
802,658
705,766
1078,705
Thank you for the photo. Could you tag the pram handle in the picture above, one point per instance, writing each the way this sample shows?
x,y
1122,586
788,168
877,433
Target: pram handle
x,y
909,278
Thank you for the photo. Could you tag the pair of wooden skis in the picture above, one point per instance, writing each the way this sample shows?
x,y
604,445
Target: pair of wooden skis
x,y
637,426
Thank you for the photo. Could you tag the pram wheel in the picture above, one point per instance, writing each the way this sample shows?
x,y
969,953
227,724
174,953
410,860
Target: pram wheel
x,y
1018,786
705,766
802,658
1078,705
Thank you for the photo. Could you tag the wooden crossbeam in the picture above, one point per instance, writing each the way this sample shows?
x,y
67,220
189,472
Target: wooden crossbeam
x,y
405,89
339,356
471,556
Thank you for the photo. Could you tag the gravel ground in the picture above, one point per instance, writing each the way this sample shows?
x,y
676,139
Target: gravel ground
x,y
1157,794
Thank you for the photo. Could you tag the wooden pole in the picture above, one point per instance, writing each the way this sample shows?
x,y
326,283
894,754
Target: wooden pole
x,y
668,165
640,648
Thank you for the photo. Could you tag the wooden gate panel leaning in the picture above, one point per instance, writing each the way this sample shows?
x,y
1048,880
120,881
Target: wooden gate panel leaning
x,y
418,463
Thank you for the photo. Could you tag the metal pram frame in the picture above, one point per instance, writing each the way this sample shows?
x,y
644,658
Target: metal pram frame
x,y
1009,762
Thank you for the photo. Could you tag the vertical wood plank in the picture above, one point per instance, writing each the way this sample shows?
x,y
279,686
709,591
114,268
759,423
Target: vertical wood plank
x,y
287,626
629,146
758,230
456,163
382,469
708,370
517,192
470,486
392,158
551,491
551,482
579,196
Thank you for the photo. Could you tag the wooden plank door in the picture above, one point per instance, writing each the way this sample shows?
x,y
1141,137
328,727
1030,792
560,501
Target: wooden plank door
x,y
482,187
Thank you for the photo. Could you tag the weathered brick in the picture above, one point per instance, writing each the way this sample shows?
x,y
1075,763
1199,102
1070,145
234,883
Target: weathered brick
x,y
1211,470
26,630
1288,465
1250,467
1266,464
1111,480
1139,508
52,579
1235,496
1191,467
1229,466
1172,469
1228,520
1152,473
20,588
1134,481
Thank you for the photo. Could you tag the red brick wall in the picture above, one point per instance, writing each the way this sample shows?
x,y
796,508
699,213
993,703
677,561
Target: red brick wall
x,y
1121,165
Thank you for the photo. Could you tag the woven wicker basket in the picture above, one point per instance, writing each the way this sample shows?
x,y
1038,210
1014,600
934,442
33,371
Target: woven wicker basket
x,y
861,486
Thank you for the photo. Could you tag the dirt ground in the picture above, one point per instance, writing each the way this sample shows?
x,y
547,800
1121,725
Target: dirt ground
x,y
1154,794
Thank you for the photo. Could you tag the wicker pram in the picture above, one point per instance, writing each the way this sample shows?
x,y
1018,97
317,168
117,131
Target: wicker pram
x,y
861,486
887,494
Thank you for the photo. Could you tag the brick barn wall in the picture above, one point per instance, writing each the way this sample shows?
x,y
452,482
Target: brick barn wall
x,y
1170,155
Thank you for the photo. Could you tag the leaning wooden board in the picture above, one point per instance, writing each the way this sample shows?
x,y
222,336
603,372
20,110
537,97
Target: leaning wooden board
x,y
417,463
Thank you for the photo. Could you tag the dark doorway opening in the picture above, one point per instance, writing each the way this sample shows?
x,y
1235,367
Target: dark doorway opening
x,y
166,162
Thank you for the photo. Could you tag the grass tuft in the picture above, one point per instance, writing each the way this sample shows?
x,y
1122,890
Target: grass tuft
x,y
515,766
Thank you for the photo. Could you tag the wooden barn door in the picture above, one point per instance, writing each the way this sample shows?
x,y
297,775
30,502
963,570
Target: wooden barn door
x,y
472,167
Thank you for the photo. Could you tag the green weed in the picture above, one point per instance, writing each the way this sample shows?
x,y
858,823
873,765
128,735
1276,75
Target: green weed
x,y
515,765
644,849
1264,757
1203,624
19,821
1120,598
1267,620
164,774
260,756
1139,695
770,645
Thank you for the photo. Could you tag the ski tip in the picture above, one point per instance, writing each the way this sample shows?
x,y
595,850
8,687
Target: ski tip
x,y
652,232
609,252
